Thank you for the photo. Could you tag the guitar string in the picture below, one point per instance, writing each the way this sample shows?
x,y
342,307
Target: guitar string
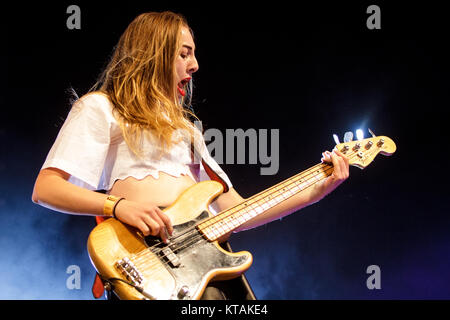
x,y
266,194
148,254
197,236
151,267
230,209
309,171
200,236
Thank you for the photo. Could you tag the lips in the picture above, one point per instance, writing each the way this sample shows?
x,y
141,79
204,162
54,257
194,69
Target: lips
x,y
182,85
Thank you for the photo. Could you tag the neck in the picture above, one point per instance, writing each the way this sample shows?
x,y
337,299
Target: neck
x,y
230,219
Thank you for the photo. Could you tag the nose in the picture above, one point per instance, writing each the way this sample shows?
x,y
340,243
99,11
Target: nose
x,y
193,65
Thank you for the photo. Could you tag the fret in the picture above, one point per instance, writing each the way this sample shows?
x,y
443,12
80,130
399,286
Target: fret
x,y
265,206
253,206
247,216
228,223
213,230
258,210
303,185
225,225
288,192
230,219
252,213
279,198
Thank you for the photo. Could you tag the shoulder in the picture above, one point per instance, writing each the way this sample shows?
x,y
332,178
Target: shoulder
x,y
96,104
94,99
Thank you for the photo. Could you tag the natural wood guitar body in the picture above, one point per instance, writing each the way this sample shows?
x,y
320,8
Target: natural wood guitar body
x,y
179,270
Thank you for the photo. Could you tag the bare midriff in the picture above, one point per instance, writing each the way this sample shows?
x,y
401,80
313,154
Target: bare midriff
x,y
159,192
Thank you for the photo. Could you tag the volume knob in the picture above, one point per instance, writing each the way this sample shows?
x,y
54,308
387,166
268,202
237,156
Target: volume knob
x,y
183,292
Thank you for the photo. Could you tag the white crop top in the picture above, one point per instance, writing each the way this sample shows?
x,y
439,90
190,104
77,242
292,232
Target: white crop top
x,y
91,148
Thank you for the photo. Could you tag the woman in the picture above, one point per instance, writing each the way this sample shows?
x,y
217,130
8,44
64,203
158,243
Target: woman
x,y
130,136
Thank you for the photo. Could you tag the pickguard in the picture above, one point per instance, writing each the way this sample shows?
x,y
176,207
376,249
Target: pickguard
x,y
194,258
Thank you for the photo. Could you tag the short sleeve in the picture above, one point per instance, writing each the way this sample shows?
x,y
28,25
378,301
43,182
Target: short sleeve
x,y
82,144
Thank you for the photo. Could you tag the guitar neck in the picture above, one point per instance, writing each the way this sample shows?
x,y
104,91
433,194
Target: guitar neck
x,y
230,219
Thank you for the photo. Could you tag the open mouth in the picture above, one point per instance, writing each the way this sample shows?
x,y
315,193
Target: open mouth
x,y
182,86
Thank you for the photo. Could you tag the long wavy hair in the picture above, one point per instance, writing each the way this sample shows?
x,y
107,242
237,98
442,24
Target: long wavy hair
x,y
139,80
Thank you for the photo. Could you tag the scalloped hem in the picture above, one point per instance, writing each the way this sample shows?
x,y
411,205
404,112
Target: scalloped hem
x,y
153,173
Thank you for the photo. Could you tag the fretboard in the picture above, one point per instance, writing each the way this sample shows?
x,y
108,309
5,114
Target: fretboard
x,y
230,219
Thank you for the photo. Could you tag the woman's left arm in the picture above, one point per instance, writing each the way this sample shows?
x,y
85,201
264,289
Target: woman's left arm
x,y
296,202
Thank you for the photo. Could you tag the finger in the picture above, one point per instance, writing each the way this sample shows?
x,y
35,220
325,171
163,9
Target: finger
x,y
344,163
344,157
164,234
344,168
326,157
337,165
152,224
166,220
143,227
162,230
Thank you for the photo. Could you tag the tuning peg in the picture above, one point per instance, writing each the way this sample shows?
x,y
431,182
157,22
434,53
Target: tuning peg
x,y
371,132
336,138
359,134
348,136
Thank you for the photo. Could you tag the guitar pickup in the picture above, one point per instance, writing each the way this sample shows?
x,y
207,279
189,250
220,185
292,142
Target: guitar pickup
x,y
171,257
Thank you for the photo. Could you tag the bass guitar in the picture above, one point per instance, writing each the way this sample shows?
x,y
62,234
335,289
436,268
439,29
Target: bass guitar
x,y
146,268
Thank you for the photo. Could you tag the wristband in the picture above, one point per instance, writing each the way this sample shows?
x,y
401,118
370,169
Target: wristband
x,y
109,208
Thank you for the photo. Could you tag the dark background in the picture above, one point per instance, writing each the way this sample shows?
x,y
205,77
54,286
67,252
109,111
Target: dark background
x,y
307,70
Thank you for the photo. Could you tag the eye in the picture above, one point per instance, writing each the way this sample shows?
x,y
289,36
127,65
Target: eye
x,y
183,55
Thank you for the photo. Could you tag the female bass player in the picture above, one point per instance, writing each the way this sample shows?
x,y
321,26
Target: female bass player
x,y
130,136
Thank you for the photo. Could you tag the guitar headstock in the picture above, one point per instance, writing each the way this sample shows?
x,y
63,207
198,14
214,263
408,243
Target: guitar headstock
x,y
362,152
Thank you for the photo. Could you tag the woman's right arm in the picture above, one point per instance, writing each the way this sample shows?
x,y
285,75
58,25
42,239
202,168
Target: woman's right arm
x,y
53,190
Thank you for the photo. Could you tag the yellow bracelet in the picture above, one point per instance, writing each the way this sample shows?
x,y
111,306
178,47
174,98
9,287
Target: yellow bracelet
x,y
110,204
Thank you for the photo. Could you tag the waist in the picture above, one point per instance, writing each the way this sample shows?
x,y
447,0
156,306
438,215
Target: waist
x,y
161,191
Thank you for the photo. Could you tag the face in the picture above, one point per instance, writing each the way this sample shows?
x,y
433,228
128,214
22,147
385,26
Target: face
x,y
185,62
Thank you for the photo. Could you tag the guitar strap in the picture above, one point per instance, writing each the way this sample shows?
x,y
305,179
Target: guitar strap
x,y
196,157
98,287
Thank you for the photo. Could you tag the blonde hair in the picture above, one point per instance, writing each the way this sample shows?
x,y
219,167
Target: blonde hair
x,y
139,80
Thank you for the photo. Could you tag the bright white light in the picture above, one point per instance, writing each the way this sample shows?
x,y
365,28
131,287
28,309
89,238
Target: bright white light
x,y
359,134
336,138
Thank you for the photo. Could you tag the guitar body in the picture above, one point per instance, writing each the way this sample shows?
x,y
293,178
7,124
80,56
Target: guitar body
x,y
180,269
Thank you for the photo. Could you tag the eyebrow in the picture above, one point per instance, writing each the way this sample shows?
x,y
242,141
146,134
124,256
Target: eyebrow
x,y
187,46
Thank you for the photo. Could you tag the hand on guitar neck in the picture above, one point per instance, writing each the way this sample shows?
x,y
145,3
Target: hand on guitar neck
x,y
340,173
